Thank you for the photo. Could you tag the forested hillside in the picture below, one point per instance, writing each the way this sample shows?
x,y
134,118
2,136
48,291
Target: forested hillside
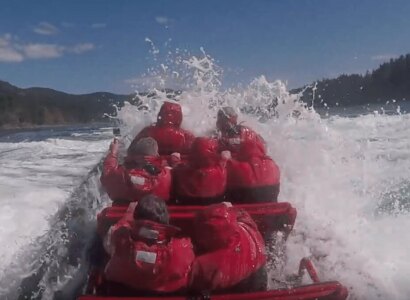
x,y
391,81
42,106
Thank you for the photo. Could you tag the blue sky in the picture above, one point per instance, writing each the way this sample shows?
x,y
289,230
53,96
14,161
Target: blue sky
x,y
86,46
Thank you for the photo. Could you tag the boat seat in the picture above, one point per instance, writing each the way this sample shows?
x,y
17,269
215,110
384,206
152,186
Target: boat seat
x,y
270,217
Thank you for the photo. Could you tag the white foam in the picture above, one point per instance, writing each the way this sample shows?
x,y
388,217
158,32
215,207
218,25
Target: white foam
x,y
335,171
35,179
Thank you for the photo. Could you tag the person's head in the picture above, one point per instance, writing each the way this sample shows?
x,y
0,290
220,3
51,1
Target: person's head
x,y
226,118
143,147
170,114
204,151
152,208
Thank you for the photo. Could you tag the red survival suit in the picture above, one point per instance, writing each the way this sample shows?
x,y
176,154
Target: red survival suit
x,y
147,256
139,176
167,132
201,180
252,176
233,248
233,134
232,139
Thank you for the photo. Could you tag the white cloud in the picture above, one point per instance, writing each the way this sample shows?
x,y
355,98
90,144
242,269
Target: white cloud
x,y
8,53
162,20
383,56
45,28
38,51
81,48
14,51
98,25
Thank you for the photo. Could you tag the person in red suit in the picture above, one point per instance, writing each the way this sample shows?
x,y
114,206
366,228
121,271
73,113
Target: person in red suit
x,y
171,138
143,172
146,254
202,179
232,134
252,175
230,251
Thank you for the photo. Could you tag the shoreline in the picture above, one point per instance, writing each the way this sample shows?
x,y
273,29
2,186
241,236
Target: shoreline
x,y
324,112
12,130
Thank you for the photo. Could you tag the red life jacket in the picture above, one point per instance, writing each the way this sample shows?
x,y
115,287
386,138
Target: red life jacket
x,y
147,256
138,177
252,176
167,132
233,248
202,180
232,138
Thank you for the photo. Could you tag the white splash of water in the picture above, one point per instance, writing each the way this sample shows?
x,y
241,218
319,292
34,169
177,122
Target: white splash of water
x,y
332,173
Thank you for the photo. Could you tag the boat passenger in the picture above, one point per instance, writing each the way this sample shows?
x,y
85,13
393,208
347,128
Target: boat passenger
x,y
145,253
143,172
167,131
252,175
202,179
232,134
231,251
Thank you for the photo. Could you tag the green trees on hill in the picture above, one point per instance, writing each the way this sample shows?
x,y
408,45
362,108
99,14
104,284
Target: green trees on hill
x,y
39,106
390,81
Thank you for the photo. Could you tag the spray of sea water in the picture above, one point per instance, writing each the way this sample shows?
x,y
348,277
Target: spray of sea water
x,y
347,177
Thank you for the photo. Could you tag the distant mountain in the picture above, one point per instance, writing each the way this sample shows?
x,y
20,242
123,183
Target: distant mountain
x,y
390,81
42,106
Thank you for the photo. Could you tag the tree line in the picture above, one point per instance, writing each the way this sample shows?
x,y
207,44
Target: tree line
x,y
41,106
390,81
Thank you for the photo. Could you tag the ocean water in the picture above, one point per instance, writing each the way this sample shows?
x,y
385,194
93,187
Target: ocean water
x,y
347,177
39,171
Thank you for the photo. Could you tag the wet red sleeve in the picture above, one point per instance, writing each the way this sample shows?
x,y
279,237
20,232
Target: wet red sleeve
x,y
110,163
113,177
163,184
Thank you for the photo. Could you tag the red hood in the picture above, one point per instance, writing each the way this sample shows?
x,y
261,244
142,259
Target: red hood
x,y
204,152
170,114
251,148
215,226
152,232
